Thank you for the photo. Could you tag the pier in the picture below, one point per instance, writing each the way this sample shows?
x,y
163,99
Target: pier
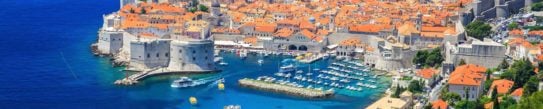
x,y
135,78
290,90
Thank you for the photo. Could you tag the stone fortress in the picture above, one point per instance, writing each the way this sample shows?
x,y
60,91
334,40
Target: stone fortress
x,y
486,9
158,39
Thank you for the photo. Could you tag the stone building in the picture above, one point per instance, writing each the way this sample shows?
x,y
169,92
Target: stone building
x,y
486,53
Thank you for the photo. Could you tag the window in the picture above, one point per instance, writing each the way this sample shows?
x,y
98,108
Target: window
x,y
180,51
194,58
167,55
206,57
193,51
148,55
157,55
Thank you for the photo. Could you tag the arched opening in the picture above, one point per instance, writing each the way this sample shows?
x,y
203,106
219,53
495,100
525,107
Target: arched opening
x,y
302,48
292,47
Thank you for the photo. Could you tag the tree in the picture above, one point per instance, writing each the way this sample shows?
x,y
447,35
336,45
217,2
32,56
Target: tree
x,y
143,11
415,86
503,65
494,95
478,29
487,85
451,97
397,92
522,70
512,25
192,10
462,62
537,6
534,101
531,86
143,0
507,102
202,8
420,57
508,74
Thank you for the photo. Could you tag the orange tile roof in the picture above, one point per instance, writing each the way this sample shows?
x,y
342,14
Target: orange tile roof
x,y
250,40
262,27
283,32
518,92
468,74
311,35
439,104
516,32
427,73
502,85
351,42
368,28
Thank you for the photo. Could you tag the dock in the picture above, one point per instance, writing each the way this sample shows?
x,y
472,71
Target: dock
x,y
311,58
135,78
284,89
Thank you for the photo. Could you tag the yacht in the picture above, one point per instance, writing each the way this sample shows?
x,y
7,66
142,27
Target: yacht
x,y
287,68
260,61
186,82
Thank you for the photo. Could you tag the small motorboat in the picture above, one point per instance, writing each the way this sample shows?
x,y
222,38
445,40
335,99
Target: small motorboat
x,y
223,63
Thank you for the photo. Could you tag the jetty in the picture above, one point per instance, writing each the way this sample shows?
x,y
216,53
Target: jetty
x,y
135,78
310,58
285,89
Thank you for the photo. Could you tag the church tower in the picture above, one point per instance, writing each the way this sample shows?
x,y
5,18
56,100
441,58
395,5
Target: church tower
x,y
215,8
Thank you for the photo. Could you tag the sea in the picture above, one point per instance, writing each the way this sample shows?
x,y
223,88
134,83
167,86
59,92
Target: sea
x,y
46,63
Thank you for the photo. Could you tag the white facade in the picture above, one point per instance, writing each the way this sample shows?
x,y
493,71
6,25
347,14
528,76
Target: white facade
x,y
474,91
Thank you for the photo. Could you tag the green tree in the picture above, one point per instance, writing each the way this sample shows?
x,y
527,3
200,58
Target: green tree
x,y
478,29
143,1
420,57
143,11
202,8
451,98
537,6
534,101
462,62
508,74
494,95
397,92
487,85
512,25
415,86
531,86
507,102
503,65
522,70
192,10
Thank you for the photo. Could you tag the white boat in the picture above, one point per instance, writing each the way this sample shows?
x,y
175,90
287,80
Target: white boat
x,y
186,82
223,63
299,71
287,68
279,74
260,61
345,80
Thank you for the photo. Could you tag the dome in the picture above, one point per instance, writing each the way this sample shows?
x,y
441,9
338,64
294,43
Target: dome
x,y
312,19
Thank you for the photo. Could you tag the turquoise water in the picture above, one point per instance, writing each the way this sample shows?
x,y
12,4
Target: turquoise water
x,y
46,63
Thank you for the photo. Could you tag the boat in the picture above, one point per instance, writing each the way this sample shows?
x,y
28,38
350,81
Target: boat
x,y
299,71
183,82
223,63
232,107
279,74
287,68
345,80
260,61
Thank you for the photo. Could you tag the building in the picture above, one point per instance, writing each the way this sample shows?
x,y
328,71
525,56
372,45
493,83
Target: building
x,y
351,48
440,104
389,103
389,54
517,94
467,78
486,53
503,86
428,75
302,42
